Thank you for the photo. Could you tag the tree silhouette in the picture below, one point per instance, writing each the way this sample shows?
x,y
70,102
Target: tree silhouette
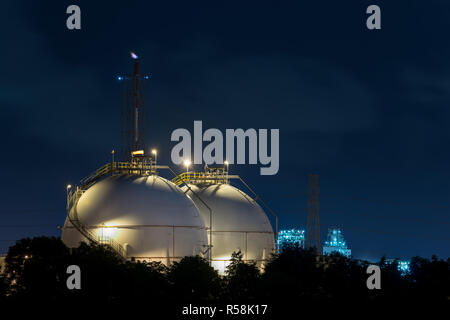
x,y
145,281
242,279
430,278
293,274
3,286
35,271
343,278
37,267
193,279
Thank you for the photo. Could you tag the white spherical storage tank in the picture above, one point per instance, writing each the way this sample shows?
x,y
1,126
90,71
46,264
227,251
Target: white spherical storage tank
x,y
238,223
149,216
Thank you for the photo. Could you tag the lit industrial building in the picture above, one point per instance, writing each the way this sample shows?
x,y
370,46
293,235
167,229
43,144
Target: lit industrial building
x,y
336,243
402,265
291,237
129,207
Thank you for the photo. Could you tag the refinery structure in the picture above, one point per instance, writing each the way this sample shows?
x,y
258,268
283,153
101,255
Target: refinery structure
x,y
128,206
336,243
291,237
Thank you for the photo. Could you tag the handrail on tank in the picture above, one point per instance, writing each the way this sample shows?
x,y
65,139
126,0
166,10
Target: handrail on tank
x,y
140,169
71,209
205,177
85,183
257,197
202,177
114,168
206,205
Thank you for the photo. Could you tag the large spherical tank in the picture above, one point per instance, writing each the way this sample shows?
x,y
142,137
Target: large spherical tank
x,y
238,223
148,215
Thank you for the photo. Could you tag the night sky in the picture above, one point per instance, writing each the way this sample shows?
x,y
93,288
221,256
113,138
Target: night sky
x,y
366,110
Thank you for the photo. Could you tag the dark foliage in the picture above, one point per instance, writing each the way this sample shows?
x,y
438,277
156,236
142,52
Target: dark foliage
x,y
430,279
36,271
37,268
242,281
292,275
193,279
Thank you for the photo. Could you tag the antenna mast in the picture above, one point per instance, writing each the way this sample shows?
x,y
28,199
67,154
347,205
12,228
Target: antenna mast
x,y
133,129
136,76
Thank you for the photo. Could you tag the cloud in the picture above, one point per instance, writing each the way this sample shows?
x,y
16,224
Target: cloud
x,y
56,102
286,92
427,87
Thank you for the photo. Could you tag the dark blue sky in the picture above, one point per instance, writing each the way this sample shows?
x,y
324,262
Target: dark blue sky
x,y
366,110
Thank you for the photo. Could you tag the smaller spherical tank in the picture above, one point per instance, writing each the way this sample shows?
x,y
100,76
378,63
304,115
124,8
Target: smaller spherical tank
x,y
238,223
148,215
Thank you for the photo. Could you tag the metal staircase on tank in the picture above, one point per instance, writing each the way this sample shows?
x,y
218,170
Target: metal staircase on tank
x,y
72,214
139,165
219,175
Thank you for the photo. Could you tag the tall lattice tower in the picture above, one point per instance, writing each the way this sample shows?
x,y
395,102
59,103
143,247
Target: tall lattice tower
x,y
133,117
313,223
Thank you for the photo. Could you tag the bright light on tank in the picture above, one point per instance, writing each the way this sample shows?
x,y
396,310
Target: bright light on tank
x,y
106,233
221,264
226,163
133,55
69,186
137,153
154,151
187,163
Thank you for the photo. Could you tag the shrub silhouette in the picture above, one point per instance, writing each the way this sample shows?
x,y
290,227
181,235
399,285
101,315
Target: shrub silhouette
x,y
242,280
35,270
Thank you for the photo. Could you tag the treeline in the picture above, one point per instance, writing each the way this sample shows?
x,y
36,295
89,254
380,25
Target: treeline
x,y
35,270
